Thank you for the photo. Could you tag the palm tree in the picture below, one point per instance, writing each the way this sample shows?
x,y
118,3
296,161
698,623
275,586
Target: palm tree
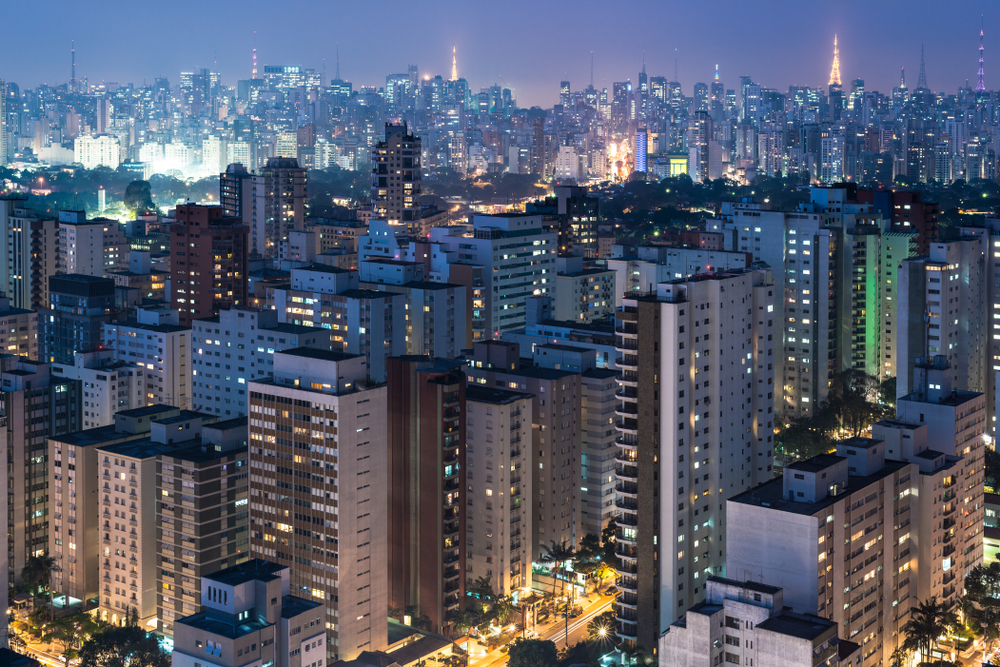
x,y
927,622
37,573
503,608
559,555
632,654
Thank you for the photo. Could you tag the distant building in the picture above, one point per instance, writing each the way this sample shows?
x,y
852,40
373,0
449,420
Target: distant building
x,y
280,195
396,177
29,253
163,347
91,248
99,151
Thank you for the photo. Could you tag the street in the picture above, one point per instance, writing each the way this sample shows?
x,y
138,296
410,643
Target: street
x,y
556,631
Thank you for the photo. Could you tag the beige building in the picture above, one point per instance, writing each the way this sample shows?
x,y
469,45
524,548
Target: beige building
x,y
555,451
250,618
18,330
499,502
108,386
317,489
92,248
79,520
29,253
202,507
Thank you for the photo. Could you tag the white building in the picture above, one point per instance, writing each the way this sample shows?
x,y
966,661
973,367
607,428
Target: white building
x,y
640,272
249,617
518,257
237,347
91,248
498,541
108,386
746,623
156,341
695,426
99,151
584,293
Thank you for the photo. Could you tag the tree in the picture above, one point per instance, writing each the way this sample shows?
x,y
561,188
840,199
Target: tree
x,y
632,654
70,631
992,468
37,573
533,653
461,622
123,646
503,609
559,555
928,621
138,197
608,546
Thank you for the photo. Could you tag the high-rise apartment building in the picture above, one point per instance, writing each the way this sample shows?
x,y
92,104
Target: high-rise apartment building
x,y
280,194
29,253
695,427
238,347
18,330
237,188
208,268
36,407
396,177
248,612
318,481
202,511
155,341
941,311
78,518
427,477
91,248
3,123
498,476
97,151
109,386
518,256
556,446
361,321
79,307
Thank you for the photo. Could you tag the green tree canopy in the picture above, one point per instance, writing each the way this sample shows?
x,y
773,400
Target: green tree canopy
x,y
123,646
139,197
533,653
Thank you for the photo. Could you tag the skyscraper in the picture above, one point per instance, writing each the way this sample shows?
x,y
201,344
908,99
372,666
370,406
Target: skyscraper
x,y
280,194
396,177
318,480
208,270
3,123
79,307
641,139
427,487
695,427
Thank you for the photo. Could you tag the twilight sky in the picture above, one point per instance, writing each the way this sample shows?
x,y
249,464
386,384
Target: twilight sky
x,y
529,45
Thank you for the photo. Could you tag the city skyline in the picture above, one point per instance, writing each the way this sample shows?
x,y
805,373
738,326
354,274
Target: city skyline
x,y
869,50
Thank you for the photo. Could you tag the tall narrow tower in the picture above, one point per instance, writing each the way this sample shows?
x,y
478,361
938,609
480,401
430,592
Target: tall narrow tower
x,y
835,70
253,75
72,70
454,64
981,85
922,77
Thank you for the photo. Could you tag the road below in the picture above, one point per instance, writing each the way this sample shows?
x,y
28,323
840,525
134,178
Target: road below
x,y
556,631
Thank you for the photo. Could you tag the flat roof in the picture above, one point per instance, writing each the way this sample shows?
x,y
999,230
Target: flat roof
x,y
770,494
955,398
356,293
322,355
795,625
294,329
496,396
749,585
218,626
255,569
599,373
564,348
292,606
159,328
322,268
817,463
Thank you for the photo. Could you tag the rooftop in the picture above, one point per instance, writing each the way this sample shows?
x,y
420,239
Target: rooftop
x,y
770,494
797,625
216,626
749,585
256,569
321,355
159,328
292,606
497,396
817,463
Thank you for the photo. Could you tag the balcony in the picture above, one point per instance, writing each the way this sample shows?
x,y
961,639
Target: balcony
x,y
627,489
627,504
630,426
627,629
628,362
628,600
627,392
626,571
626,472
628,378
626,409
627,519
627,442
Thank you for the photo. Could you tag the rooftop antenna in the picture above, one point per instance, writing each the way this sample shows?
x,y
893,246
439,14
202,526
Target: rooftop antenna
x,y
675,64
981,85
253,75
338,61
922,77
72,76
591,69
454,64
